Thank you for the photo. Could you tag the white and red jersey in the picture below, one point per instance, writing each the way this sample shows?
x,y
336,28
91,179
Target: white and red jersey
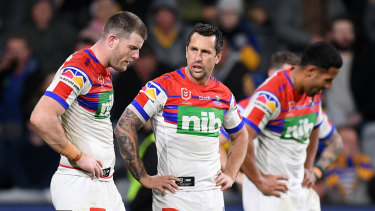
x,y
284,120
186,119
84,88
325,133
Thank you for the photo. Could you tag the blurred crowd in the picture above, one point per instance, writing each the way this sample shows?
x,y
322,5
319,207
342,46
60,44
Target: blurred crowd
x,y
36,37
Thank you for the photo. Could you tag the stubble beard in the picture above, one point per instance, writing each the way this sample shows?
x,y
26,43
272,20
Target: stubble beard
x,y
197,76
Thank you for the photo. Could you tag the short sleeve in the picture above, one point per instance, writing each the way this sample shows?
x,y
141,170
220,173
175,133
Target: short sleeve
x,y
150,100
67,85
326,129
232,119
319,116
264,106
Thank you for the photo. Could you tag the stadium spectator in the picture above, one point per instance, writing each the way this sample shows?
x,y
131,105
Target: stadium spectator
x,y
101,11
348,177
299,23
260,21
17,67
51,40
238,33
233,73
12,15
167,32
341,106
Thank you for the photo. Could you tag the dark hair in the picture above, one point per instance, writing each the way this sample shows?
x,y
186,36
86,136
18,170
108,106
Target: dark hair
x,y
321,54
123,24
208,30
280,58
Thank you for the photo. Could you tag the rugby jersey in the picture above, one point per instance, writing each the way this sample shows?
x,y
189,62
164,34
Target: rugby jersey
x,y
186,119
284,120
84,88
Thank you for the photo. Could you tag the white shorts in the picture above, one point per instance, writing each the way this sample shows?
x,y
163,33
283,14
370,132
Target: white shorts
x,y
209,200
71,192
296,199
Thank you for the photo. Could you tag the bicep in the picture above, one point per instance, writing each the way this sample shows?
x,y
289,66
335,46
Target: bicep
x,y
48,106
251,132
241,134
223,139
314,135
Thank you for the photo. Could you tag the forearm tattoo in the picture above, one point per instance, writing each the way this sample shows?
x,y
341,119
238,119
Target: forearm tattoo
x,y
330,153
127,139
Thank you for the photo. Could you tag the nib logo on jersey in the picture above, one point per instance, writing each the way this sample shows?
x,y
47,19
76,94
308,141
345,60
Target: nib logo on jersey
x,y
199,121
299,128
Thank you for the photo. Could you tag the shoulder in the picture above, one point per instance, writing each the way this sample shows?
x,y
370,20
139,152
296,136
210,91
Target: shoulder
x,y
167,79
78,59
276,84
222,90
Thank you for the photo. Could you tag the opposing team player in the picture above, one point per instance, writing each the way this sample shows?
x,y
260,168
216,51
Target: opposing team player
x,y
187,108
73,117
284,115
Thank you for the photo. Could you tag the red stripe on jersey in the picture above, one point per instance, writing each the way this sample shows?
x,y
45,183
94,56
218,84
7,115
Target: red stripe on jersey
x,y
170,110
299,111
169,209
96,209
69,167
104,88
174,123
256,116
142,99
63,90
89,98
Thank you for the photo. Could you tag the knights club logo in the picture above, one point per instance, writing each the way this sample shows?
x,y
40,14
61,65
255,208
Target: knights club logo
x,y
101,79
185,94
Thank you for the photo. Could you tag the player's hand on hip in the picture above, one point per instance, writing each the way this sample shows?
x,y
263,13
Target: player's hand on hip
x,y
223,180
308,179
90,164
160,183
272,184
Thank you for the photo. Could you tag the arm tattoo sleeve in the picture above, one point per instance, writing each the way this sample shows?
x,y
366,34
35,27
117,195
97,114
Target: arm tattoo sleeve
x,y
127,139
330,153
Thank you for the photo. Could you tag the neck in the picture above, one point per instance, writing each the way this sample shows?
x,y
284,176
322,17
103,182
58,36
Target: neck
x,y
100,53
296,77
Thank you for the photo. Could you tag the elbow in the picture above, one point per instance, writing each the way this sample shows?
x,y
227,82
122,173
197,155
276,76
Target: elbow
x,y
36,120
339,144
116,132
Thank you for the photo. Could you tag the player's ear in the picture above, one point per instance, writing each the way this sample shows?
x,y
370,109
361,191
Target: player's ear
x,y
218,57
112,40
311,70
